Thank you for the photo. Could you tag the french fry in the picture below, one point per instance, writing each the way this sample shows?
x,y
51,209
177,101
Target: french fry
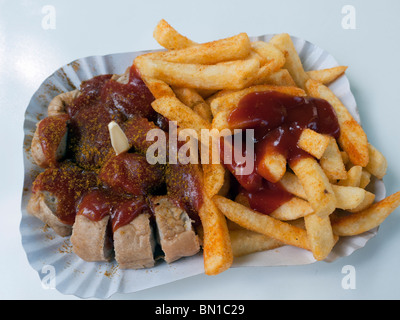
x,y
365,220
263,224
366,203
365,178
293,209
271,59
281,77
320,235
192,99
169,38
225,75
348,197
327,76
214,178
291,183
217,248
234,48
313,142
377,164
352,138
174,110
158,88
316,185
293,63
332,162
272,166
245,242
353,177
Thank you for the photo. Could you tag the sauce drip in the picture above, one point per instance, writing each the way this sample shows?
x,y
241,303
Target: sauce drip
x,y
278,120
67,184
122,209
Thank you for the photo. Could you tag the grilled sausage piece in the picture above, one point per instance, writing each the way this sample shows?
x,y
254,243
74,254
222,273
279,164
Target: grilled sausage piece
x,y
43,205
91,240
49,143
175,232
134,244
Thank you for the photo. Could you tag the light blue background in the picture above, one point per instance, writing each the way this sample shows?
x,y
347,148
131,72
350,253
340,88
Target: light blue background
x,y
28,54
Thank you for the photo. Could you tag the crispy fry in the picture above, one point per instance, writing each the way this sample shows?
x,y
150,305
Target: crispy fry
x,y
169,38
291,183
263,224
316,185
192,99
365,220
313,142
332,162
377,164
272,166
293,209
352,138
214,178
225,75
353,177
327,76
245,242
320,235
348,197
174,110
217,248
293,63
281,77
233,48
366,203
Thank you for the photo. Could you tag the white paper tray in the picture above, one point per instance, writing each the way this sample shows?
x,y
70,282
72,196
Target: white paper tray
x,y
100,280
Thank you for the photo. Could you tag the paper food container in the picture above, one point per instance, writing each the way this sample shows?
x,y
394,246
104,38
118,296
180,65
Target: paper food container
x,y
50,254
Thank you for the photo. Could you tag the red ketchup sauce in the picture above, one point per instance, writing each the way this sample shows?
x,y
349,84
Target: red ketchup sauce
x,y
67,184
278,120
121,208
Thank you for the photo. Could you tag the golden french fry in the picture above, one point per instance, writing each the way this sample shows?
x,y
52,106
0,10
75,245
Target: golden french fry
x,y
158,88
192,99
245,242
169,38
271,59
316,185
352,138
377,164
327,76
353,177
365,178
313,142
293,209
261,223
365,220
174,110
366,203
348,197
225,75
272,166
332,162
320,235
217,248
281,77
293,63
214,178
291,183
233,48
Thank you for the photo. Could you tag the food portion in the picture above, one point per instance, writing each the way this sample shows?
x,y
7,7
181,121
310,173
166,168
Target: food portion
x,y
278,158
